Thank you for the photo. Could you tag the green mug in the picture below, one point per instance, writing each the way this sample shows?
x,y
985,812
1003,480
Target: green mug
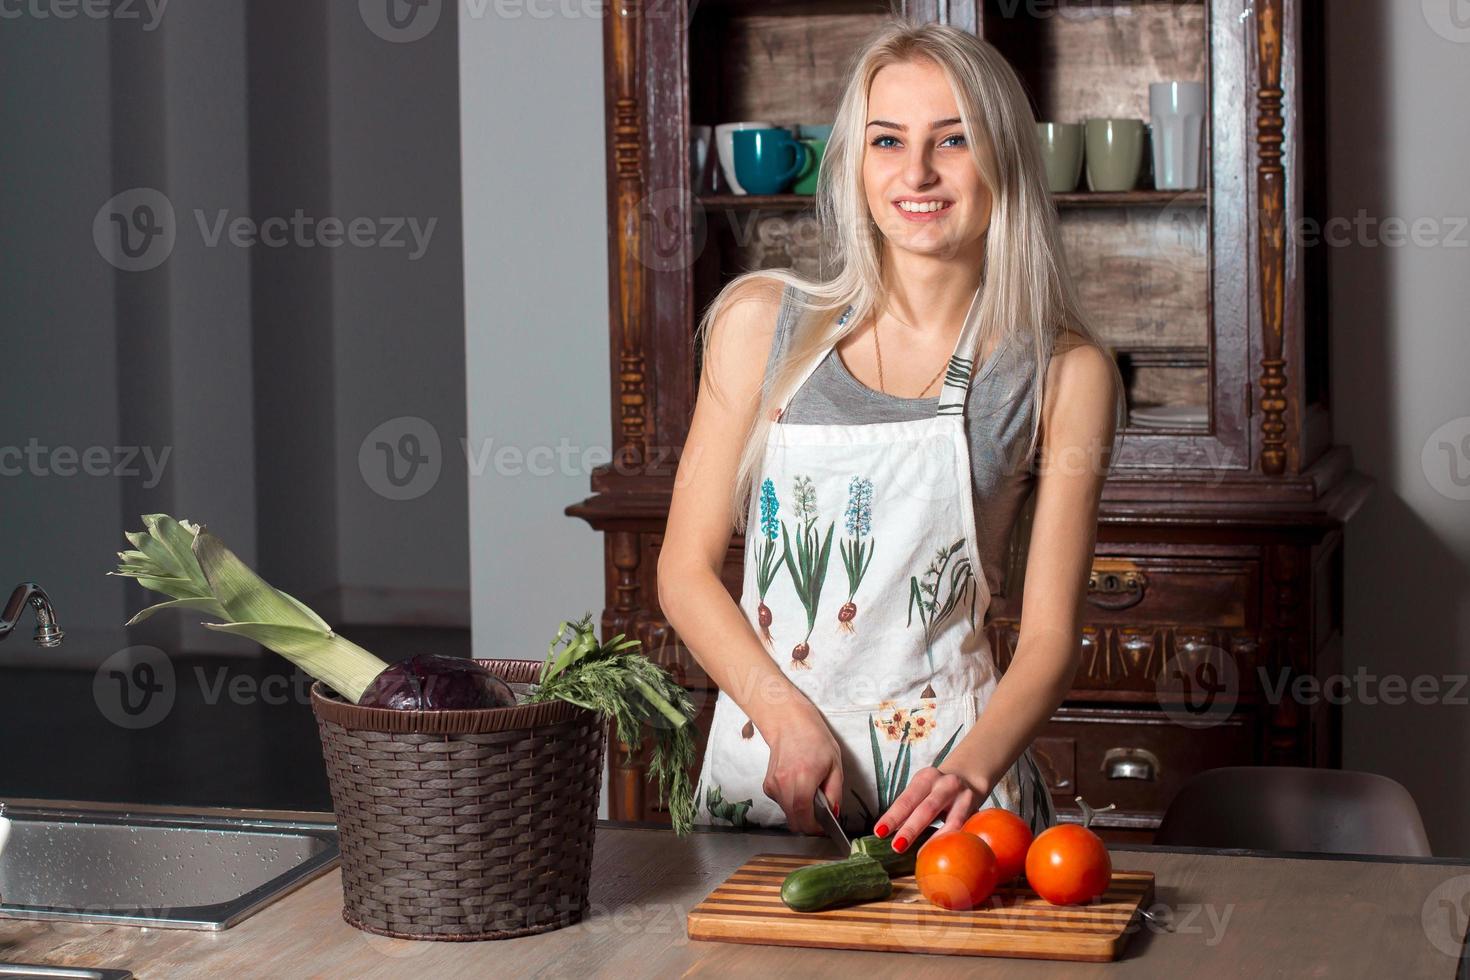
x,y
1061,151
806,178
1114,154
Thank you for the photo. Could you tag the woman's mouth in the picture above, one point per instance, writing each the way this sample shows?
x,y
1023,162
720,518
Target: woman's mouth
x,y
922,209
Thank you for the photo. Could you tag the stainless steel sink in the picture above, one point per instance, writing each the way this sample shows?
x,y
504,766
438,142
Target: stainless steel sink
x,y
145,870
38,971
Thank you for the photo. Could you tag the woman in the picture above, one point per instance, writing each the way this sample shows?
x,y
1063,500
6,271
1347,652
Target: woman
x,y
858,430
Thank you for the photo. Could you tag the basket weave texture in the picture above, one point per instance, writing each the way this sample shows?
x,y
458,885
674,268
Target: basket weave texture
x,y
464,825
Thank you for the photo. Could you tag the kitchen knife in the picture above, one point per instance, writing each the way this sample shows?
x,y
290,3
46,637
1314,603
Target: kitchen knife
x,y
829,823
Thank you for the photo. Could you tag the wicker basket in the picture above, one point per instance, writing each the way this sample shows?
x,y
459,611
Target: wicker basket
x,y
463,825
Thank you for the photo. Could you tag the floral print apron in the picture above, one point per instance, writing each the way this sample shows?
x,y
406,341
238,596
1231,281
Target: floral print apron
x,y
861,578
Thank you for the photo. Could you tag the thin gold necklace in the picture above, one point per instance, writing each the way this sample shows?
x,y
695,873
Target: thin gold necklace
x,y
878,349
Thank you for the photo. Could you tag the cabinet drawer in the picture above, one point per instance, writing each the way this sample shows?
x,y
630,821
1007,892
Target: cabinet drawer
x,y
1205,592
1135,759
1149,620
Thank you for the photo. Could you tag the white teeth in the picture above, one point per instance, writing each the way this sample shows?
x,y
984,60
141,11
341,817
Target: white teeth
x,y
923,208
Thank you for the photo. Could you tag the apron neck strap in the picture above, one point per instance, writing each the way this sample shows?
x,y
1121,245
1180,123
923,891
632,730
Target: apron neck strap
x,y
956,387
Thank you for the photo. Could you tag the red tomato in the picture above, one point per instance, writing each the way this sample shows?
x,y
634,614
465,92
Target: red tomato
x,y
956,870
1068,865
1007,835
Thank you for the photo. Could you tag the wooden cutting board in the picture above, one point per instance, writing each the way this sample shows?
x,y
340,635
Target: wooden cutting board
x,y
747,908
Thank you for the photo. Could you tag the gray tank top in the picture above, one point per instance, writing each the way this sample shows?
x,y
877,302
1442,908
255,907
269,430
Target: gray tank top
x,y
997,420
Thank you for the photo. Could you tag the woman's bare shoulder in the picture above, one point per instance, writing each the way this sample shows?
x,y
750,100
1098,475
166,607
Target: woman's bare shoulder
x,y
741,334
751,307
1081,375
1074,352
1068,340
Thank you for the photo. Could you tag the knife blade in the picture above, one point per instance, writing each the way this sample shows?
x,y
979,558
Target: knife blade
x,y
829,823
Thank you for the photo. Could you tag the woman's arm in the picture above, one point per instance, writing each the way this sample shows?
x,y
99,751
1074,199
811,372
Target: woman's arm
x,y
804,755
1077,430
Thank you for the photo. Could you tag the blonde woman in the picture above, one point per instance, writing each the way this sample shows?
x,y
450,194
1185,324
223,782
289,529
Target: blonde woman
x,y
875,435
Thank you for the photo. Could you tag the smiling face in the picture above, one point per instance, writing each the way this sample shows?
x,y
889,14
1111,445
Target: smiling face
x,y
922,186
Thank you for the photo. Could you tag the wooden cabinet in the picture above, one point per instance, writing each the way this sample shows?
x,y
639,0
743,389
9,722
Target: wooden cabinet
x,y
1218,569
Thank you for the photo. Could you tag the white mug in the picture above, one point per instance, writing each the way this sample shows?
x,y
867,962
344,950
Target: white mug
x,y
1177,111
725,144
699,137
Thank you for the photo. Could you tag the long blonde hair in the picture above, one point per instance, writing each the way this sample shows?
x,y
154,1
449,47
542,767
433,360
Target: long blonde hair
x,y
1026,293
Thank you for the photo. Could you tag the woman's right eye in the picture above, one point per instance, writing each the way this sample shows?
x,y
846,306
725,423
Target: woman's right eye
x,y
878,140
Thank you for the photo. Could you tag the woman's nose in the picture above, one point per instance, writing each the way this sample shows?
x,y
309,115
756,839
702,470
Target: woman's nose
x,y
918,168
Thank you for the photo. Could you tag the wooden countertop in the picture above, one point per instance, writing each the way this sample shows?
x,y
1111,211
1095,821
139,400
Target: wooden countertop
x,y
1236,913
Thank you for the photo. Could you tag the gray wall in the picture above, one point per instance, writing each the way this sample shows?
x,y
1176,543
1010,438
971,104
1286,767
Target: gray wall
x,y
345,123
59,384
293,348
1400,350
259,371
535,213
399,341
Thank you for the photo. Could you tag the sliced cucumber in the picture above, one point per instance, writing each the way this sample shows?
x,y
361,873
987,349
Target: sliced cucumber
x,y
881,848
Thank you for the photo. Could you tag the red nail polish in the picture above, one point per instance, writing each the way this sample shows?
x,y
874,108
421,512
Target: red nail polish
x,y
899,843
881,830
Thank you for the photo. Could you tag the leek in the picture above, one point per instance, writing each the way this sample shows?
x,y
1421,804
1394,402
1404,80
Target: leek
x,y
186,562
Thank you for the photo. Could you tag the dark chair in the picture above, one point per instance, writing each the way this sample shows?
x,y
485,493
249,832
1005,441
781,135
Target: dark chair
x,y
1292,808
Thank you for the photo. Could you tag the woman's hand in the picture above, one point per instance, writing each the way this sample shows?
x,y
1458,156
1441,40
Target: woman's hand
x,y
931,793
804,757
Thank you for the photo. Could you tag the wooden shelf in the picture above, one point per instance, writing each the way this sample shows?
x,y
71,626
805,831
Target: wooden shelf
x,y
1076,199
1129,199
757,202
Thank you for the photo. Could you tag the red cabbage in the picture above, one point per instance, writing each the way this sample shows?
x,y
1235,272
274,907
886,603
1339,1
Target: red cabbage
x,y
438,683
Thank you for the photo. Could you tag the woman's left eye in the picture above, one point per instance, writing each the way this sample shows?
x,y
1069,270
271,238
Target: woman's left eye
x,y
956,136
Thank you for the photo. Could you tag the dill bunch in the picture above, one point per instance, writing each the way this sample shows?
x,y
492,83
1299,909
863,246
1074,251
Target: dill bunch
x,y
620,683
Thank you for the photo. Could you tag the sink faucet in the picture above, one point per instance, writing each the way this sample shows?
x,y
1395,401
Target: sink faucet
x,y
48,633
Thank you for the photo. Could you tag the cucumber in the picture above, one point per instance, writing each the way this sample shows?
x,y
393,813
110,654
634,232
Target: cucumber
x,y
881,849
857,878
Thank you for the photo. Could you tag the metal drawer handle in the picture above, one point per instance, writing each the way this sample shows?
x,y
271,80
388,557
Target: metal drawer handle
x,y
1125,763
1116,590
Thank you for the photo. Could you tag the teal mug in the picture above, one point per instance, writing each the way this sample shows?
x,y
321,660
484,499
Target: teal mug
x,y
768,160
